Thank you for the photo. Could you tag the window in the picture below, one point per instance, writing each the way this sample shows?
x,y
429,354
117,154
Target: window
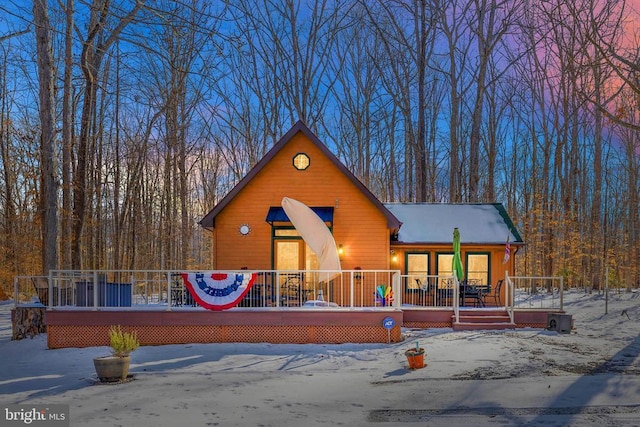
x,y
478,268
417,269
301,161
286,232
290,251
445,268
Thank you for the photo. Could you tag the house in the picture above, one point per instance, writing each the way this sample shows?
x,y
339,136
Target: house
x,y
408,246
251,231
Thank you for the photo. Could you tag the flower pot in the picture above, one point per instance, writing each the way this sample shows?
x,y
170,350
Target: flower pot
x,y
415,358
112,368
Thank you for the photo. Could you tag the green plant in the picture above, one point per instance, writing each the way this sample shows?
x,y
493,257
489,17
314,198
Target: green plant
x,y
122,343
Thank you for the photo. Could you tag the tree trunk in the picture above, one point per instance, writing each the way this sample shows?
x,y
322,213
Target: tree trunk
x,y
27,322
49,197
67,138
93,50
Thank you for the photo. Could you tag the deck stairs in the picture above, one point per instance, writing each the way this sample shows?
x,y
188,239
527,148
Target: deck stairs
x,y
482,319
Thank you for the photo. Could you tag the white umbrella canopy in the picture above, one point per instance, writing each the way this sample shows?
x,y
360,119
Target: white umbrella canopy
x,y
316,234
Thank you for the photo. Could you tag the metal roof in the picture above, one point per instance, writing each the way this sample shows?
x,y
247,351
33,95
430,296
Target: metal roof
x,y
479,223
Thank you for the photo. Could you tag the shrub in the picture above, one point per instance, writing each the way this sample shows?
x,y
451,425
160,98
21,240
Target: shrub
x,y
122,343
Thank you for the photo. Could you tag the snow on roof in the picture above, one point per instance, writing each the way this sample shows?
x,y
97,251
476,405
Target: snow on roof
x,y
434,223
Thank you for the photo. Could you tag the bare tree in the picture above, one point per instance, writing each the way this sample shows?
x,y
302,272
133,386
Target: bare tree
x,y
358,87
67,137
493,19
406,34
49,201
99,38
612,31
452,68
9,177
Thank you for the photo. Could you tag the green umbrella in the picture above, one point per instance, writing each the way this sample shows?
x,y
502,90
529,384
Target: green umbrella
x,y
457,261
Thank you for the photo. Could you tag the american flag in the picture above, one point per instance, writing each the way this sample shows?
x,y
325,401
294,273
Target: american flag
x,y
507,251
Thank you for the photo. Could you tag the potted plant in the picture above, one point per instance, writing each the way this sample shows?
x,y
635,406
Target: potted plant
x,y
115,367
415,357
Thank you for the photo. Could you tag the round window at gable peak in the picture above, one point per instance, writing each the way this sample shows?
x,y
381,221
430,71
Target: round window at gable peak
x,y
301,161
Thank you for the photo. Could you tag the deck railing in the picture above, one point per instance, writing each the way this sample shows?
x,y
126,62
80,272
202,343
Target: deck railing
x,y
430,291
537,292
423,291
165,289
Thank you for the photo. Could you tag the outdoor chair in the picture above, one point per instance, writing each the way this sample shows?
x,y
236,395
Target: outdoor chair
x,y
496,293
180,295
470,292
425,288
290,291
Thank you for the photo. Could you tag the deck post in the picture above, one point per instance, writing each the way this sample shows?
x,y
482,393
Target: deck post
x,y
95,290
352,289
15,292
397,289
169,299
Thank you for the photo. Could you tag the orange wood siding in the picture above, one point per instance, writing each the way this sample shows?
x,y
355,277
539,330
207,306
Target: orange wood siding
x,y
496,254
358,225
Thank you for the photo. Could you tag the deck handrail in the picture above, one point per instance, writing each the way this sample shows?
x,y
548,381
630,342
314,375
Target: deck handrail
x,y
545,296
155,288
456,297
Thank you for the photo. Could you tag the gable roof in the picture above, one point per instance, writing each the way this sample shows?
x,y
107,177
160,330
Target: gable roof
x,y
209,220
479,223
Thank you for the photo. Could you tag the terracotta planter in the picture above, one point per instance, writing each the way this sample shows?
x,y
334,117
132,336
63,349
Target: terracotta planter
x,y
112,368
415,358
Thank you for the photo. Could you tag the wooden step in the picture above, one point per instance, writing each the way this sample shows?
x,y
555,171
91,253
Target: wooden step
x,y
473,320
484,319
483,312
462,326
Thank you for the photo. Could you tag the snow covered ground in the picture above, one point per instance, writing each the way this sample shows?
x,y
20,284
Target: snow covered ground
x,y
590,377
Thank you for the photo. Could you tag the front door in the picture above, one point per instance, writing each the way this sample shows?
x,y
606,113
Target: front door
x,y
292,253
288,255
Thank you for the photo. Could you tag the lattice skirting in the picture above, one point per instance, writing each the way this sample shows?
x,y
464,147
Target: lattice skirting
x,y
62,336
427,324
532,325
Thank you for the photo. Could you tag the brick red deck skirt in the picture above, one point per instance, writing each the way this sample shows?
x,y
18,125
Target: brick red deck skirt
x,y
422,319
76,328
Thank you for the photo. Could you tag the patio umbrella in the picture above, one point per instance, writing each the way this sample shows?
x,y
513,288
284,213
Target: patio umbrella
x,y
316,234
457,261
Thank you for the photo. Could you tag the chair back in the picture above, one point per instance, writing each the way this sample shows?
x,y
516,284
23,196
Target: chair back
x,y
496,292
40,282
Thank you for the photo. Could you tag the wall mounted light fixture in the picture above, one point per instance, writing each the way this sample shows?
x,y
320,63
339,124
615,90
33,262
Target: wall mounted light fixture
x,y
394,256
340,249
